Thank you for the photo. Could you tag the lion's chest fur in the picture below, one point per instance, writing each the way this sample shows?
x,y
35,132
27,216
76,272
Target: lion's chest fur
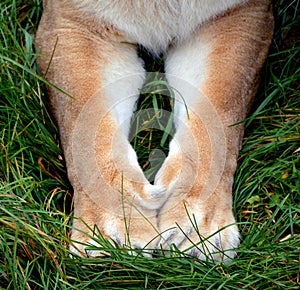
x,y
156,23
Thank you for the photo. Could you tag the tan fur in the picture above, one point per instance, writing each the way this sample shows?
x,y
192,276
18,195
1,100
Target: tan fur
x,y
217,49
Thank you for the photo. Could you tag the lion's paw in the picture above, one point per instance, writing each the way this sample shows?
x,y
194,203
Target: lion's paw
x,y
133,236
215,242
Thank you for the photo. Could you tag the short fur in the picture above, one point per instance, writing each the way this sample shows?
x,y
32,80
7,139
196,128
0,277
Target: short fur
x,y
214,51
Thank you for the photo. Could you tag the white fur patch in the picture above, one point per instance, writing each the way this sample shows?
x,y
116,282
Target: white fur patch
x,y
186,69
124,77
156,23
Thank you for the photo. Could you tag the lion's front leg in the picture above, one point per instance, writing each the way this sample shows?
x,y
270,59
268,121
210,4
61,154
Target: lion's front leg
x,y
101,74
215,77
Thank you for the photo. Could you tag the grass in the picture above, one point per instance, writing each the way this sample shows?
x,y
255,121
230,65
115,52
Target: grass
x,y
152,125
36,199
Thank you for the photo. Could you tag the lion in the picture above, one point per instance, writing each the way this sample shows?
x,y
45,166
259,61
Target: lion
x,y
213,53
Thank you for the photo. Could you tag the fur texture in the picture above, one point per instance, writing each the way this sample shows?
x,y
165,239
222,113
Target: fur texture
x,y
155,24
